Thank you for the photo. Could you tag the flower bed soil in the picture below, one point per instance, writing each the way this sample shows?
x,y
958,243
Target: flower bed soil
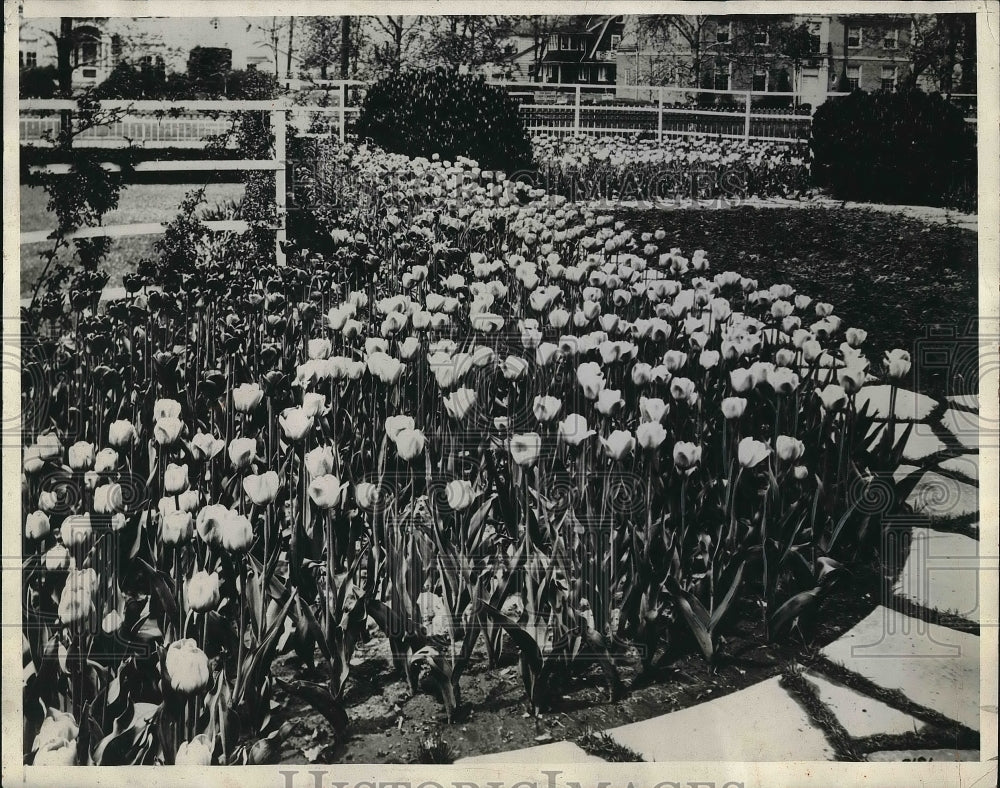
x,y
389,724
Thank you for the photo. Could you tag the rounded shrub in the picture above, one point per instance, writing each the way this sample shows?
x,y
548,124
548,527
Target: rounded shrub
x,y
907,147
420,113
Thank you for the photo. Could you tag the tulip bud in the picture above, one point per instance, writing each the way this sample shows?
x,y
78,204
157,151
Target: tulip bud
x,y
366,494
788,449
686,455
800,472
897,363
187,667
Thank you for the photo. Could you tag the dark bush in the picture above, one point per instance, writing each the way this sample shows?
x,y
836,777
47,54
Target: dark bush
x,y
908,147
421,113
41,82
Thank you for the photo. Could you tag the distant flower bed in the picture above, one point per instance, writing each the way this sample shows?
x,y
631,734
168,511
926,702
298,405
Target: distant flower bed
x,y
699,168
484,400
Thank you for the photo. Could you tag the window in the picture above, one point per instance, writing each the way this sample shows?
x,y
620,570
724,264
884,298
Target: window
x,y
723,33
854,38
215,23
759,80
722,78
565,42
30,59
603,74
853,77
553,41
815,43
615,40
116,49
581,43
888,78
761,38
891,39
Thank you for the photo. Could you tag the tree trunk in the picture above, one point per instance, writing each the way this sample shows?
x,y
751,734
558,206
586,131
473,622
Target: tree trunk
x,y
345,46
291,43
64,53
967,82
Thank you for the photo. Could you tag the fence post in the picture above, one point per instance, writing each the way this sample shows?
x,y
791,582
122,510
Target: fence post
x,y
746,120
279,119
659,114
576,113
343,112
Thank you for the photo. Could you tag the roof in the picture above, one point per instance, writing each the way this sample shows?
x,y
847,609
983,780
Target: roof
x,y
584,24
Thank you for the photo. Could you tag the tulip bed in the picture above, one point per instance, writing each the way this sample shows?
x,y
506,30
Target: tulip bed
x,y
700,168
488,416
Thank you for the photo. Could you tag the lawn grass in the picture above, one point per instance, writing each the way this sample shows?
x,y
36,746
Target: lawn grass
x,y
902,280
138,203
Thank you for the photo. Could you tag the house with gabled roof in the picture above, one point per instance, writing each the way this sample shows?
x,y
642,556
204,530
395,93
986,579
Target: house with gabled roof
x,y
582,50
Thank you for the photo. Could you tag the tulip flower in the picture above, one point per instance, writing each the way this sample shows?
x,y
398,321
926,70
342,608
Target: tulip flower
x,y
197,752
202,591
366,494
788,449
246,397
652,408
686,456
783,380
76,602
386,368
545,353
733,407
650,434
56,726
319,348
800,472
618,444
852,378
261,488
408,347
295,423
409,443
81,455
36,525
525,449
175,477
674,360
56,753
608,401
546,408
166,431
166,409
397,424
833,397
106,461
205,446
319,461
708,358
573,430
210,520
856,337
514,367
460,494
751,452
591,379
110,498
176,527
459,403
235,533
76,530
242,451
187,667
326,491
56,558
897,364
682,389
741,380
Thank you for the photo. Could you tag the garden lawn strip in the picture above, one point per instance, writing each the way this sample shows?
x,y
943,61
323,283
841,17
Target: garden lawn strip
x,y
808,697
891,697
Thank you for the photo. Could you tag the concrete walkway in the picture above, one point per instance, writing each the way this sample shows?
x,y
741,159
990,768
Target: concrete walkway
x,y
908,668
